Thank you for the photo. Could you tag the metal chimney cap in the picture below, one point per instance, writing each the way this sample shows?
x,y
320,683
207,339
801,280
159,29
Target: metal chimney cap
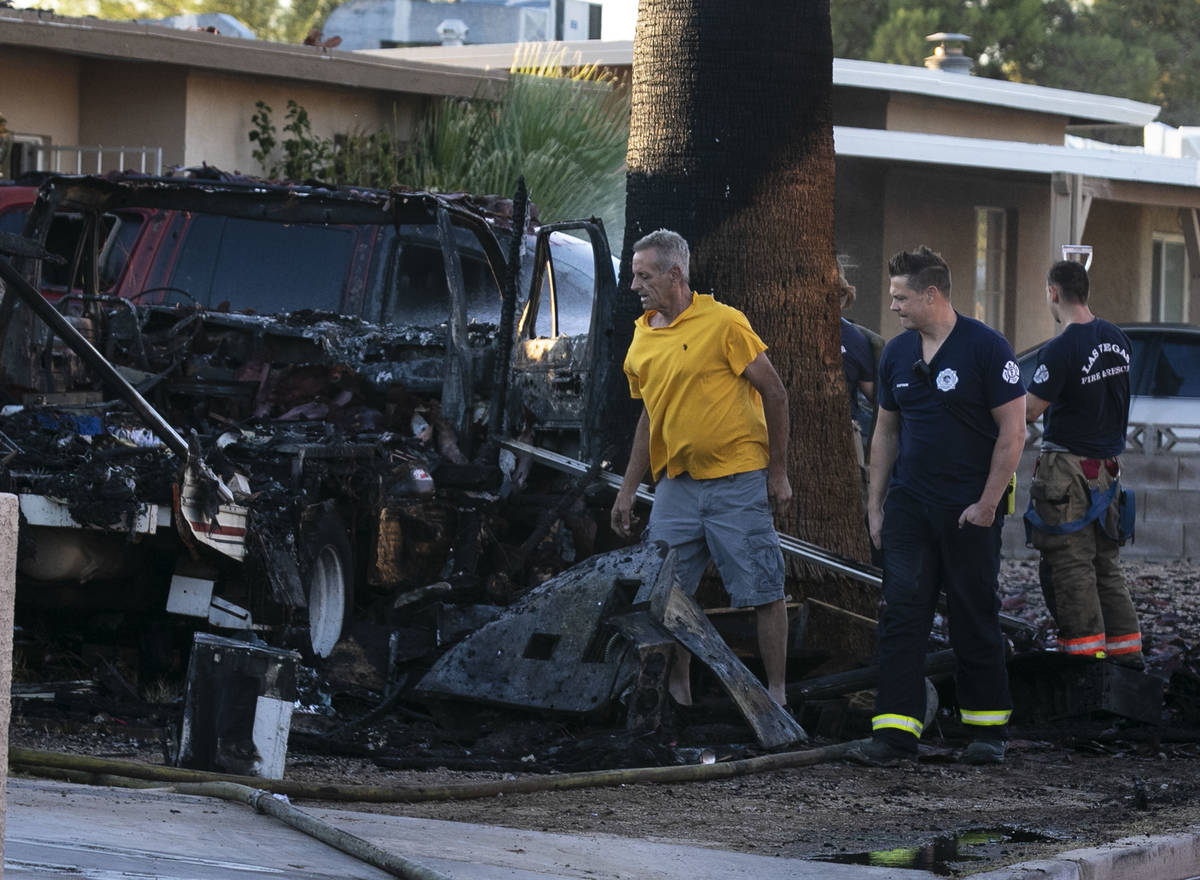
x,y
949,58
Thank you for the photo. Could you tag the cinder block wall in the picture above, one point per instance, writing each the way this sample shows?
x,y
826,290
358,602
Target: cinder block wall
x,y
1167,489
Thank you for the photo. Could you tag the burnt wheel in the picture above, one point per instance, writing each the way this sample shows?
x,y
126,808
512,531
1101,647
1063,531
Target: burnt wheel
x,y
328,576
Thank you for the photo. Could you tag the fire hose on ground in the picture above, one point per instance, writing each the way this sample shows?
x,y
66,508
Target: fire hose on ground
x,y
37,762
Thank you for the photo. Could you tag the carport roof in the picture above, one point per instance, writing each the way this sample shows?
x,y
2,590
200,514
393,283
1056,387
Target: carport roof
x,y
932,149
1075,106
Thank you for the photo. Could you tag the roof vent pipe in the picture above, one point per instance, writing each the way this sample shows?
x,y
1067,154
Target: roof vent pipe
x,y
453,32
949,58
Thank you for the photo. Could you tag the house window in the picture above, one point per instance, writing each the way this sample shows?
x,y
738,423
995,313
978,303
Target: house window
x,y
1169,281
991,258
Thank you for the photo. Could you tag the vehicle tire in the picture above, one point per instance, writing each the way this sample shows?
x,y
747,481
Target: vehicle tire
x,y
328,577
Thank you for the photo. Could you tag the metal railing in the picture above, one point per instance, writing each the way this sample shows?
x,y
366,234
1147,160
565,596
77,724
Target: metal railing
x,y
57,158
1144,438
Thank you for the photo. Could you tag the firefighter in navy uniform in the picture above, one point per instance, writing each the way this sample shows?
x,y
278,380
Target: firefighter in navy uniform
x,y
948,436
1081,383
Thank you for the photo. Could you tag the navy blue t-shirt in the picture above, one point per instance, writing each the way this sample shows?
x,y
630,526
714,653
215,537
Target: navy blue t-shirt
x,y
1084,375
857,361
947,432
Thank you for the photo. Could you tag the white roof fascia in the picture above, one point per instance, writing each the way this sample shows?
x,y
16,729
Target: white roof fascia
x,y
499,56
982,90
851,74
932,149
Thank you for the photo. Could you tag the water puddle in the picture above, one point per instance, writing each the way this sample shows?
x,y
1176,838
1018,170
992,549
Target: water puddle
x,y
938,855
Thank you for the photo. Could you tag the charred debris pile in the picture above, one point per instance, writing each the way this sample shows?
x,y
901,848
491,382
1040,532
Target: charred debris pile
x,y
455,602
312,410
493,623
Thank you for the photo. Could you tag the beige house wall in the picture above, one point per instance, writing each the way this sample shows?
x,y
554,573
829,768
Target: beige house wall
x,y
195,117
1119,233
958,118
132,105
219,110
1032,322
914,215
39,94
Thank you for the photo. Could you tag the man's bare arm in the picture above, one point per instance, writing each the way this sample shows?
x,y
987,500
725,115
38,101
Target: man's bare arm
x,y
885,445
761,374
639,463
1034,406
1006,455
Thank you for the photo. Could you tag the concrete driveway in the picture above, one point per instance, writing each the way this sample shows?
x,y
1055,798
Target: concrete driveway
x,y
56,829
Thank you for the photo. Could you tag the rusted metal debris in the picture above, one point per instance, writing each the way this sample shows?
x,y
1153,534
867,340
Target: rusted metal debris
x,y
330,429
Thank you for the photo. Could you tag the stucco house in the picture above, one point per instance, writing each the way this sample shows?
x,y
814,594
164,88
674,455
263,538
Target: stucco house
x,y
69,86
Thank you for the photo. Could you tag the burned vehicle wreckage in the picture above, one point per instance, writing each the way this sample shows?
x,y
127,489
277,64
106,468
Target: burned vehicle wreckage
x,y
267,471
322,418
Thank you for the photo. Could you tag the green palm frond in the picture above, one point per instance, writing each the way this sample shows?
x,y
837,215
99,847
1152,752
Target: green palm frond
x,y
564,128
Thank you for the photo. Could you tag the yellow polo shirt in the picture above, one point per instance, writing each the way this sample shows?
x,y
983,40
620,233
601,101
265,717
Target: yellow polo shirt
x,y
706,419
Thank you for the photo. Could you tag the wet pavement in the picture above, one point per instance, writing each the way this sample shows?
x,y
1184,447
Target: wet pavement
x,y
61,830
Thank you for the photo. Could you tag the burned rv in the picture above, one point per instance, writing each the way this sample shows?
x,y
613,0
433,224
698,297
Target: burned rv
x,y
246,393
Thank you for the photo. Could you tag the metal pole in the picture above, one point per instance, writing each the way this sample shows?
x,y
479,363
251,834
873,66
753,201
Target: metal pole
x,y
9,516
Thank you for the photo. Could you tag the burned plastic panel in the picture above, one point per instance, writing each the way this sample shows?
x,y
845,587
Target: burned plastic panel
x,y
555,649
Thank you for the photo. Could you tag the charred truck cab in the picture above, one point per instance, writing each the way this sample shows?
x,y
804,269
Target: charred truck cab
x,y
256,405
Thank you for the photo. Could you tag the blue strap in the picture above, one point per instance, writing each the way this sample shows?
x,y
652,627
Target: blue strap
x,y
1100,503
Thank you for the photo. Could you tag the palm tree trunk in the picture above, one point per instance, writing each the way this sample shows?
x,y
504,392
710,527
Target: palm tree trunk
x,y
731,145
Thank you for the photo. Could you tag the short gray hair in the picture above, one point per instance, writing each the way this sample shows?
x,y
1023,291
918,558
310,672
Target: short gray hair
x,y
672,250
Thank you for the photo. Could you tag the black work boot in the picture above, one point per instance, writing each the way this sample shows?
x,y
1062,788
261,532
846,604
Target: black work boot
x,y
876,752
985,751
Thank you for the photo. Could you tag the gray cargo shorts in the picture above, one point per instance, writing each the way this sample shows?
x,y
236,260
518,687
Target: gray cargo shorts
x,y
727,520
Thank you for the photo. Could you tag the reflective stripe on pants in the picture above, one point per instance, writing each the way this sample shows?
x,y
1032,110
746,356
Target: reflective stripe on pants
x,y
897,722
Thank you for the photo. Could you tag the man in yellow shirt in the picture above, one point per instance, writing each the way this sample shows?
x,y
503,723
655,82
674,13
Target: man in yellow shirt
x,y
714,433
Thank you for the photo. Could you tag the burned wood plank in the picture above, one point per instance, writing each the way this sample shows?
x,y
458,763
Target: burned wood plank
x,y
655,648
685,620
1054,688
838,683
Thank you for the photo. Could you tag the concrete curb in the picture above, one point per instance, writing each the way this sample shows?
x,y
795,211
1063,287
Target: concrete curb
x,y
1161,857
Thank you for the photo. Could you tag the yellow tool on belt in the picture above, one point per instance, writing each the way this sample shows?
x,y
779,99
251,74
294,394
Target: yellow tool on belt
x,y
1010,496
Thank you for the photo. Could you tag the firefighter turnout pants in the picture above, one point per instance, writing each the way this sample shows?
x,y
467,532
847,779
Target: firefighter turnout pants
x,y
1080,573
926,551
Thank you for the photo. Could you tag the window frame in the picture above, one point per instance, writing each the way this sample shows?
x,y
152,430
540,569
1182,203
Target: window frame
x,y
1158,244
990,304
